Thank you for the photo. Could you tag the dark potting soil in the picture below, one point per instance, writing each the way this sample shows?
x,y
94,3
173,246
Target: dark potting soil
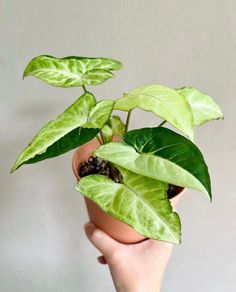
x,y
96,165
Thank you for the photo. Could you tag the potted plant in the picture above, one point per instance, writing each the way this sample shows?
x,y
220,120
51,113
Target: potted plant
x,y
129,175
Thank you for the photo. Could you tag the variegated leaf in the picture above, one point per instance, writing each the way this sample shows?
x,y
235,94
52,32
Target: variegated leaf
x,y
203,106
64,133
138,201
71,71
162,101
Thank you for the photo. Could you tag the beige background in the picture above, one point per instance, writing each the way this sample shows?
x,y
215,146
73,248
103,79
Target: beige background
x,y
174,43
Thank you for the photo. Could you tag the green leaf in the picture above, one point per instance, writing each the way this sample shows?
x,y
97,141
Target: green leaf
x,y
118,127
64,133
113,127
70,141
162,101
100,114
71,71
161,154
138,201
203,106
107,134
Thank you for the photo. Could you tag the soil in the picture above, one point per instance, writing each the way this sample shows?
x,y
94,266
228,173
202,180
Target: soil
x,y
96,165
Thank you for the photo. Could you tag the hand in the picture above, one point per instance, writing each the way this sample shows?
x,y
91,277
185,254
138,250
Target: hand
x,y
134,267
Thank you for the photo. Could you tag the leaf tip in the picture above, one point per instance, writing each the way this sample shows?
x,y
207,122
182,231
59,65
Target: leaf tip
x,y
179,241
119,65
24,75
112,75
210,198
221,117
209,195
13,168
76,187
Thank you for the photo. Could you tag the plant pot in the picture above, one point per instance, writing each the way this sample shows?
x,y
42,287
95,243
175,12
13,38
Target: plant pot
x,y
115,228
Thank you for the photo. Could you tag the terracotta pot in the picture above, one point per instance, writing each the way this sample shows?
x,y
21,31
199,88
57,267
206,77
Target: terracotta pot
x,y
115,228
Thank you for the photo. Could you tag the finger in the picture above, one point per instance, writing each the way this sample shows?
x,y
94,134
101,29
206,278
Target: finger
x,y
101,240
160,244
102,260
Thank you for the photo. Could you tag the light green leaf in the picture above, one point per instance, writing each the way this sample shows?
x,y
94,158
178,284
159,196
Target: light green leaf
x,y
138,201
71,71
203,106
113,127
64,133
118,127
161,154
162,101
107,134
100,114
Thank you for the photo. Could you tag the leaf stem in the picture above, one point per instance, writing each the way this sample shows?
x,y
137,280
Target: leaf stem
x,y
99,140
162,123
84,88
102,137
127,121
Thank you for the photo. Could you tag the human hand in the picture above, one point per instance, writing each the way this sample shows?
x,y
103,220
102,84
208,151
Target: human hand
x,y
135,267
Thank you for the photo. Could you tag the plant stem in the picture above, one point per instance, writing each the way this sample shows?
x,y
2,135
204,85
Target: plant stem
x,y
127,121
162,123
102,137
84,88
99,140
113,172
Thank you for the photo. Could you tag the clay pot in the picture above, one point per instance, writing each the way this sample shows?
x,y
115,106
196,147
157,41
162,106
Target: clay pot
x,y
115,228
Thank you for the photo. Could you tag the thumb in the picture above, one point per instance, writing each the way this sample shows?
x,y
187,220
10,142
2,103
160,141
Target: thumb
x,y
101,240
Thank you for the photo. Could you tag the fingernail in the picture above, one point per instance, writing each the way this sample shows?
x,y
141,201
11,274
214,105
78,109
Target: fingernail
x,y
97,234
87,224
89,227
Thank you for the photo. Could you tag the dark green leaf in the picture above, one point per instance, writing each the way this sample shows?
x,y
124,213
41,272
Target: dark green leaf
x,y
162,154
70,141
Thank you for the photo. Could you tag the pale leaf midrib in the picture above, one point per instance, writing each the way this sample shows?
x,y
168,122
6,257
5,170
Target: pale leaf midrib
x,y
63,72
156,212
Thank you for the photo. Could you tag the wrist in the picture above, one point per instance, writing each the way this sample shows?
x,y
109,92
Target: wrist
x,y
149,286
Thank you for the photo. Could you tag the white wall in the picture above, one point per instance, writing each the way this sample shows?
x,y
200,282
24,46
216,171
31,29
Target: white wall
x,y
174,43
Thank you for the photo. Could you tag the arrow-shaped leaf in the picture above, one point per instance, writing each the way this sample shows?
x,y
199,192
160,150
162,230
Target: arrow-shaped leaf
x,y
162,101
71,71
203,106
72,140
138,201
100,114
161,154
65,132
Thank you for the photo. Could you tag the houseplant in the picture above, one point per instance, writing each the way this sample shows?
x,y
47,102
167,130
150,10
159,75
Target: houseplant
x,y
131,178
